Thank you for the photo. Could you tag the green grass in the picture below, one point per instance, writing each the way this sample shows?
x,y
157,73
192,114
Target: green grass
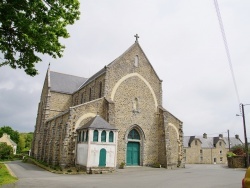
x,y
5,177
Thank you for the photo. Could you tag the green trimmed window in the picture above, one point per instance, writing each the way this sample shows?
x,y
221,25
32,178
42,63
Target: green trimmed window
x,y
103,136
95,137
111,136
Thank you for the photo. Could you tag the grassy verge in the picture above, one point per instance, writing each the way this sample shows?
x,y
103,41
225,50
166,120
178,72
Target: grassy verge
x,y
5,177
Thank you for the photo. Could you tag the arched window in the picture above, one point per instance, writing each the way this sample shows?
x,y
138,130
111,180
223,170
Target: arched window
x,y
89,94
100,90
136,105
111,136
136,60
103,136
133,134
95,136
82,136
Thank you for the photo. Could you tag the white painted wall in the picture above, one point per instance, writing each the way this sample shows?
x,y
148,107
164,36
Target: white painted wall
x,y
94,154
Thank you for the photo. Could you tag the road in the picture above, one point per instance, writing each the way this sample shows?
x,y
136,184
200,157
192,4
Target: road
x,y
193,176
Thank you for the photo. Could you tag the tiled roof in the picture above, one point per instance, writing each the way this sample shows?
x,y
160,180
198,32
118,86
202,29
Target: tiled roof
x,y
97,123
65,83
210,141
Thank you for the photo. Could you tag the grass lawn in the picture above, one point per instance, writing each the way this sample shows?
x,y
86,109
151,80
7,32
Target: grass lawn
x,y
5,177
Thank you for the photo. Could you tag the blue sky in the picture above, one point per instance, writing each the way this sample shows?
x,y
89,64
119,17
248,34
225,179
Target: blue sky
x,y
181,39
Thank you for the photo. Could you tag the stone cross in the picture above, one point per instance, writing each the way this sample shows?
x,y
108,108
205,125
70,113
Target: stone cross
x,y
136,36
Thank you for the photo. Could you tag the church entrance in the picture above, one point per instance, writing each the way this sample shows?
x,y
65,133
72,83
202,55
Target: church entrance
x,y
133,148
133,154
102,158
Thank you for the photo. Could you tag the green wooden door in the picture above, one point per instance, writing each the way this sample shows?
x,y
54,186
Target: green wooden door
x,y
133,154
102,158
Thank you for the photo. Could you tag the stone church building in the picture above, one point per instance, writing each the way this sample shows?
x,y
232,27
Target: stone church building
x,y
113,117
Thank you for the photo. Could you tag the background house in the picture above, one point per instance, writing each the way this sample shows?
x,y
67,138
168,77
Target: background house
x,y
208,150
6,138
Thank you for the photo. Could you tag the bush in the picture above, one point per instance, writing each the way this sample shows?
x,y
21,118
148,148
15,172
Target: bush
x,y
230,154
238,150
6,152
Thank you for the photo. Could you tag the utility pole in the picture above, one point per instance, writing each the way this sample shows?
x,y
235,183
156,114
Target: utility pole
x,y
245,135
229,144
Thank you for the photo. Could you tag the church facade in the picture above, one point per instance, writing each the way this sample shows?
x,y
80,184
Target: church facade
x,y
114,117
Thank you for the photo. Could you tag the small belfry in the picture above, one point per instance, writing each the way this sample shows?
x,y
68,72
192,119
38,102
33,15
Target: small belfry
x,y
114,117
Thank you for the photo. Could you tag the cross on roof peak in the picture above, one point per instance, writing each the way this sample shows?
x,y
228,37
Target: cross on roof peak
x,y
136,36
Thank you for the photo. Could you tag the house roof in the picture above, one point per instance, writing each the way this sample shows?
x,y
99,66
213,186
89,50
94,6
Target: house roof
x,y
65,83
97,123
210,141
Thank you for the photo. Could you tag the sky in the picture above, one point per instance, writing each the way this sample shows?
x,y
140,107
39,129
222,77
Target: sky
x,y
181,39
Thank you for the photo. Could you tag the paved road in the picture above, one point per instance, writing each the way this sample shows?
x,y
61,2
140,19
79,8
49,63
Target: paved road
x,y
193,176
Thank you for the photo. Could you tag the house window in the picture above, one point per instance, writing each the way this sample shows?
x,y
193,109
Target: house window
x,y
100,90
95,136
196,143
103,136
201,151
220,152
221,159
220,143
111,136
136,61
133,134
201,159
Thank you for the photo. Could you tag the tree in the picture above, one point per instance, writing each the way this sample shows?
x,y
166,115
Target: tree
x,y
6,151
31,27
14,135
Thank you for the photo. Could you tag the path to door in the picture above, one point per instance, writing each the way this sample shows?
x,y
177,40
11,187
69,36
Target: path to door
x,y
195,176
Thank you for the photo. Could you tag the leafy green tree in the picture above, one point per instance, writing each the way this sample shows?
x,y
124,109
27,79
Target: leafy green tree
x,y
14,135
31,27
21,144
6,151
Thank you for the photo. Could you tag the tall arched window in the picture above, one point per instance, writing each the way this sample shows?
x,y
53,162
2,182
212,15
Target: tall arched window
x,y
89,94
103,136
95,136
133,134
100,90
111,136
136,60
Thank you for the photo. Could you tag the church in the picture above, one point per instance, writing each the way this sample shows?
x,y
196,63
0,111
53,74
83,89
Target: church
x,y
114,117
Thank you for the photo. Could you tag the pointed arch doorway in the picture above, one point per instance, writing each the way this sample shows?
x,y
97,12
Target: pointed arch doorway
x,y
133,148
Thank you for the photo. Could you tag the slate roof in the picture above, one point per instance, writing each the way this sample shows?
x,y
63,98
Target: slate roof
x,y
96,75
210,141
97,123
65,83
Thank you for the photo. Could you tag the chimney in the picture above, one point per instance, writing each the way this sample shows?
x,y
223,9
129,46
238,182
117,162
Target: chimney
x,y
204,135
237,136
220,135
